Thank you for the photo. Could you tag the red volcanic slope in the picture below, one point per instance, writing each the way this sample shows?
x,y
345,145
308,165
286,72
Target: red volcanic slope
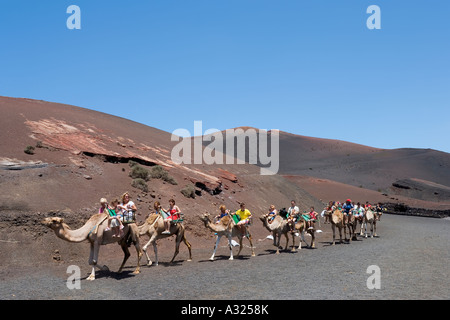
x,y
84,157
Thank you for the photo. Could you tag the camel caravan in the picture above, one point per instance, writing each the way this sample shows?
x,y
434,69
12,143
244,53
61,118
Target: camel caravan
x,y
346,216
116,223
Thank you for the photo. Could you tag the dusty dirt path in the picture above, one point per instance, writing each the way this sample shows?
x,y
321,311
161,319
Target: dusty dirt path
x,y
411,253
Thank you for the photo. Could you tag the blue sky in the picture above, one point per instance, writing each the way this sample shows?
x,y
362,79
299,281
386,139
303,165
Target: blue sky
x,y
306,67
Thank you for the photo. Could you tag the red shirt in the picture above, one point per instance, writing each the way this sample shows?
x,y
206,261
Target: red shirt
x,y
312,215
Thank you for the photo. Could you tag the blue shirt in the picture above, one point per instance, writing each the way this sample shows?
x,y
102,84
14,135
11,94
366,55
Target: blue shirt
x,y
347,207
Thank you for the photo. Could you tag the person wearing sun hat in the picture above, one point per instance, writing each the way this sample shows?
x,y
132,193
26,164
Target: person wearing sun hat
x,y
103,205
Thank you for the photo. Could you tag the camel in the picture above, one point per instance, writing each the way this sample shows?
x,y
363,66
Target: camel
x,y
94,231
337,221
369,218
351,225
280,226
154,227
226,227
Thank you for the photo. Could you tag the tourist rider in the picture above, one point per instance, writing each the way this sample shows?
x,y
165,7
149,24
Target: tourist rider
x,y
173,214
223,213
313,215
347,209
159,210
103,206
114,219
358,212
378,211
272,213
244,216
293,212
128,208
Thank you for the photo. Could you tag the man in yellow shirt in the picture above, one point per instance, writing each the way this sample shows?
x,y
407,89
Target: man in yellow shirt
x,y
244,215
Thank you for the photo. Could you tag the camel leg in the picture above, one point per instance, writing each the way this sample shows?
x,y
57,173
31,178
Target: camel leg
x,y
215,247
293,242
375,228
91,263
302,235
251,243
350,233
240,245
149,261
93,258
313,239
188,245
135,239
126,255
139,255
287,241
231,247
155,249
365,229
333,228
277,243
92,275
177,247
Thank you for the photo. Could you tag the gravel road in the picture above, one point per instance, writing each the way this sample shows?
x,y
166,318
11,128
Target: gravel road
x,y
412,254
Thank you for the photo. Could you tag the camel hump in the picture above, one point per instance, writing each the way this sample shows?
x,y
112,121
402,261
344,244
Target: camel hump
x,y
151,218
97,219
337,216
225,220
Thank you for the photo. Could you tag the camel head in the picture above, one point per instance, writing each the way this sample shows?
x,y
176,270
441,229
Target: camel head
x,y
263,217
53,222
205,218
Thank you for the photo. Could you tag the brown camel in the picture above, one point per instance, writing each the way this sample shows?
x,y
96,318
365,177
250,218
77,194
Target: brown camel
x,y
154,227
280,226
369,218
301,228
277,227
351,225
226,227
94,231
337,221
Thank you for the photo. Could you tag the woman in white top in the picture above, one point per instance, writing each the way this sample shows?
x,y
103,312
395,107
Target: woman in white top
x,y
128,208
292,215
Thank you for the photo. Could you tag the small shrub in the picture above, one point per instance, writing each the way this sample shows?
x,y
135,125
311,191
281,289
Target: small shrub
x,y
188,191
171,180
132,163
159,172
138,172
140,184
29,150
156,172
